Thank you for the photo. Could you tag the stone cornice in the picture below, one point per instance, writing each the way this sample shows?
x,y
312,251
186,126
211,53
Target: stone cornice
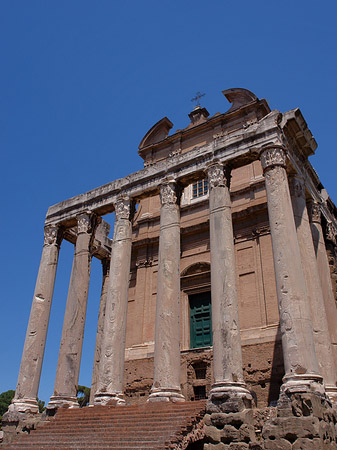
x,y
238,148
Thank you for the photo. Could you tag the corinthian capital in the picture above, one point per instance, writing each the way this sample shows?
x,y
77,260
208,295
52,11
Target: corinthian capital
x,y
122,208
273,156
168,194
52,235
84,223
217,176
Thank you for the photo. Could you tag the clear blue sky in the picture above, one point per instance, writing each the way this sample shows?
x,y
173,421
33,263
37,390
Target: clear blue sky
x,y
83,81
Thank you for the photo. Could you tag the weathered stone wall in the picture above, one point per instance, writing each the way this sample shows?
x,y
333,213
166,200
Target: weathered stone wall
x,y
306,422
262,368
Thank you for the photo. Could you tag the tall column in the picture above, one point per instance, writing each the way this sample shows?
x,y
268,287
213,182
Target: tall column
x,y
324,274
100,327
69,361
300,363
111,368
229,391
33,351
166,379
321,334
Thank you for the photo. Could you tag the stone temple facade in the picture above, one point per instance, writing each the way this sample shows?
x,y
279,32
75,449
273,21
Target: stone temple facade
x,y
219,281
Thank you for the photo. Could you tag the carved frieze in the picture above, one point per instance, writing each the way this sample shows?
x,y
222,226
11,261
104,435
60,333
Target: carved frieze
x,y
52,235
123,208
168,194
273,156
315,212
297,187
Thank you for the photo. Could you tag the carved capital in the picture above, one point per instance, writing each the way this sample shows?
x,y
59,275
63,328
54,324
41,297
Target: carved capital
x,y
331,232
296,186
314,212
84,223
216,175
273,156
52,235
122,208
168,194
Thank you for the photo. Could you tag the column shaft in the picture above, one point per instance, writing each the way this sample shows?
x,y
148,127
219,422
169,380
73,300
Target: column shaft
x,y
111,368
33,352
69,361
300,363
324,275
227,356
313,284
100,327
166,379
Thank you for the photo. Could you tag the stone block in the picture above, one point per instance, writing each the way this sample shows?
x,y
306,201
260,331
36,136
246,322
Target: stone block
x,y
229,434
277,444
292,428
307,444
212,433
219,446
238,446
247,433
234,419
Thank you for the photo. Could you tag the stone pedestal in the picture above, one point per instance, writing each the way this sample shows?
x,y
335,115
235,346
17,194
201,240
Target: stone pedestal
x,y
324,274
100,327
32,357
321,334
68,366
229,392
166,380
300,363
111,367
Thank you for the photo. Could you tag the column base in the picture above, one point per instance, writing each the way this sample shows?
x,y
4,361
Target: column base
x,y
331,392
166,395
303,383
229,397
113,399
24,405
59,401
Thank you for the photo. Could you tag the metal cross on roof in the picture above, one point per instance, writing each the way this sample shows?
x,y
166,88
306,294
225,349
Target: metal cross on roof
x,y
197,98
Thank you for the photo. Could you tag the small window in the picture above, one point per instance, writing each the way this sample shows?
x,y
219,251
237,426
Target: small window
x,y
199,392
200,371
200,188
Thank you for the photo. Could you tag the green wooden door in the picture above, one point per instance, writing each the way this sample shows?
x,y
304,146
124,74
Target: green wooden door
x,y
200,320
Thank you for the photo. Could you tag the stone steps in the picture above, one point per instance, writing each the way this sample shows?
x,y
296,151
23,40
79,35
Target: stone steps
x,y
151,426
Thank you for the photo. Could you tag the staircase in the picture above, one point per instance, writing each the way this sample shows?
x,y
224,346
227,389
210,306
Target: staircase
x,y
156,426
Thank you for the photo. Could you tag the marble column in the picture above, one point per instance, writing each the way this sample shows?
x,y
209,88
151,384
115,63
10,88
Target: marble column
x,y
100,326
300,362
229,389
324,273
321,334
166,379
69,361
33,352
111,368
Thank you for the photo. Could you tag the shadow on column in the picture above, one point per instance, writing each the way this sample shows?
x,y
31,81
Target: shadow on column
x,y
277,370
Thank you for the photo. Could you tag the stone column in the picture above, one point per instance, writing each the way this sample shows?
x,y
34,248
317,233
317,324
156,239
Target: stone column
x,y
100,326
69,361
33,351
166,379
229,391
111,368
321,334
324,274
300,363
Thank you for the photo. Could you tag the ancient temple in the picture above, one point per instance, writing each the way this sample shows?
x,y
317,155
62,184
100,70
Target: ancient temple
x,y
217,283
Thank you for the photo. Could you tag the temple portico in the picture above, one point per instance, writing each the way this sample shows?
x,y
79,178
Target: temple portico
x,y
198,162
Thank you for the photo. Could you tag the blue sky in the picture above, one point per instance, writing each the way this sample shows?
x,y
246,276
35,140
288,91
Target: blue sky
x,y
83,81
